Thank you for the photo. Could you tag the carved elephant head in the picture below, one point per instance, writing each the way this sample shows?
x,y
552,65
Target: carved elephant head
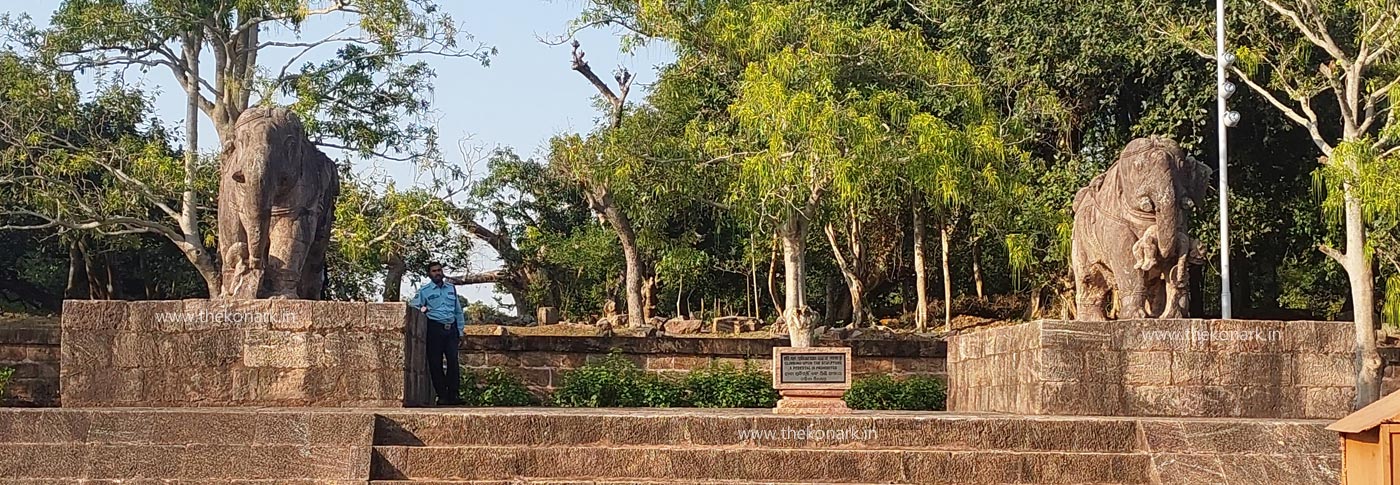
x,y
1160,183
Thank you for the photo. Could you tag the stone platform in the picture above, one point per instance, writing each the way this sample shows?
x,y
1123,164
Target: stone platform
x,y
1189,368
242,353
600,446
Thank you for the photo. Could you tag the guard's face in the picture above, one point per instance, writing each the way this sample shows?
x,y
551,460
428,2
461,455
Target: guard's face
x,y
435,273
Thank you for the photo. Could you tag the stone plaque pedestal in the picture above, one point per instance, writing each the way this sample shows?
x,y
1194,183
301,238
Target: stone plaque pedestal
x,y
1186,368
811,380
285,353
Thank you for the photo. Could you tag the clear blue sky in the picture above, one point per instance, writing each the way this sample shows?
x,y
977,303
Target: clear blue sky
x,y
527,94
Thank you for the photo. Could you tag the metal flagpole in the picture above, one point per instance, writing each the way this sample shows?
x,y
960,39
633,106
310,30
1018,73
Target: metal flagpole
x,y
1225,120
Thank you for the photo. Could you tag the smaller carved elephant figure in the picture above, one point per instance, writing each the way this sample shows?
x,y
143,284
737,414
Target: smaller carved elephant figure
x,y
1129,232
277,196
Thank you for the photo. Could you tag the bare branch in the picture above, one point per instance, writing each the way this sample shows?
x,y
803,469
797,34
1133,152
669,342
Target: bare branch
x,y
379,154
1318,40
335,6
1287,111
132,225
1332,253
496,276
582,67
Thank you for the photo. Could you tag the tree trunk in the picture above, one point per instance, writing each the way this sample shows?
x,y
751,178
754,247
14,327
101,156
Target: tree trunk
x,y
795,312
1363,291
680,290
753,272
977,267
109,280
631,253
1033,311
75,260
772,276
833,300
920,272
192,245
943,233
393,279
857,291
851,271
648,298
93,275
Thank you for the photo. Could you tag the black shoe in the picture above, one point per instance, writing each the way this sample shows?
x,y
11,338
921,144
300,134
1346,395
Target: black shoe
x,y
453,402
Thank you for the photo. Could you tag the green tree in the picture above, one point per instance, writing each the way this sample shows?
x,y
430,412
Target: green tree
x,y
342,99
1299,55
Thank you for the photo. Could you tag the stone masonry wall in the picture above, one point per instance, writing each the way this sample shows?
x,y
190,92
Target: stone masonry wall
x,y
542,360
242,353
1214,368
30,349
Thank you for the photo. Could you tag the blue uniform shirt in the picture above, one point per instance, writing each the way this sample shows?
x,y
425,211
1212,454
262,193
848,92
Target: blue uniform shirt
x,y
442,303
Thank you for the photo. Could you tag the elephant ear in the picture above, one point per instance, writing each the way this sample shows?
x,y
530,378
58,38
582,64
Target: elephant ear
x,y
226,156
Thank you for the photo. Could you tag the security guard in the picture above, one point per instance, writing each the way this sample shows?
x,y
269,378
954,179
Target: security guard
x,y
438,300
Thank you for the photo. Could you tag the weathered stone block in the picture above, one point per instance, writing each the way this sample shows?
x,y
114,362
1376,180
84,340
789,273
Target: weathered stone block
x,y
1152,368
1324,370
241,353
1057,365
1103,366
1193,368
94,315
547,315
165,316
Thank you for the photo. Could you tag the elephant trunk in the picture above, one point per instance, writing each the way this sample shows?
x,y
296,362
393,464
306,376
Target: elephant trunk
x,y
257,188
1168,227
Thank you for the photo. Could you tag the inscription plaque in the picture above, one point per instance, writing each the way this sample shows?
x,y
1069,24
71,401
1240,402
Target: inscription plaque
x,y
813,368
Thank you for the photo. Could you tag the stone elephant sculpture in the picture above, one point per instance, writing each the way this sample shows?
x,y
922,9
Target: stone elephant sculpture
x,y
277,196
1129,234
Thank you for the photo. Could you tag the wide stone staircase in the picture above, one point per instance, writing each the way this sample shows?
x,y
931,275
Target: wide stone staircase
x,y
193,446
697,446
184,445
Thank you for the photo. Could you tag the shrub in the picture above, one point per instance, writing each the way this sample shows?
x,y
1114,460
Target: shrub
x,y
495,387
914,393
5,374
478,313
726,386
614,381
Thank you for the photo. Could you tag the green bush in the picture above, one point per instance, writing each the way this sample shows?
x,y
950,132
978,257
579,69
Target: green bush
x,y
914,393
614,381
495,387
5,374
726,386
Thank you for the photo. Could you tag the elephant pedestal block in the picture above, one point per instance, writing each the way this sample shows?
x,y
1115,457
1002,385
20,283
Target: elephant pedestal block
x,y
287,353
1186,368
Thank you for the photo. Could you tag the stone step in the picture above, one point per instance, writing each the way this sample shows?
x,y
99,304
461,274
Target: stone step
x,y
184,426
748,465
757,430
181,462
533,481
161,481
52,446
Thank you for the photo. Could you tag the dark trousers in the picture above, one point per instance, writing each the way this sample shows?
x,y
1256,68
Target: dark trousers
x,y
442,345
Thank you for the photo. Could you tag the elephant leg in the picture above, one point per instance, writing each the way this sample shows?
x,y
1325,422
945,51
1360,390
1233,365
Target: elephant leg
x,y
1159,301
1132,293
230,233
313,271
1089,286
287,255
1091,290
